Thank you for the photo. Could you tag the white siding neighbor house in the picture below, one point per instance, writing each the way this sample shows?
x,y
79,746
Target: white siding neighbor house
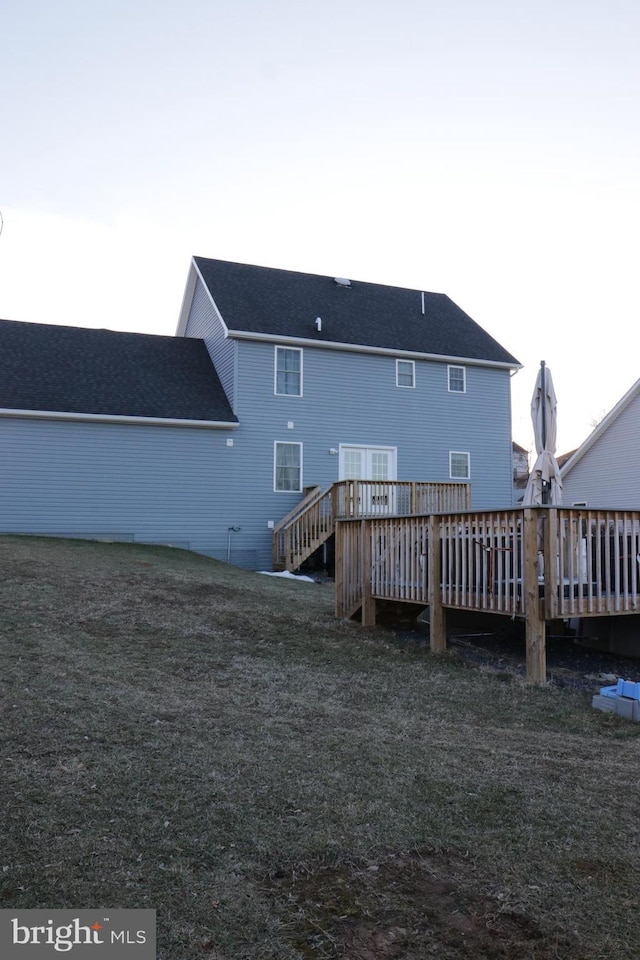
x,y
604,472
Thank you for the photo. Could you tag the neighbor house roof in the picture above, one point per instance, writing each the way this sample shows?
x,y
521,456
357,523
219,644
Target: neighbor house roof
x,y
264,302
76,370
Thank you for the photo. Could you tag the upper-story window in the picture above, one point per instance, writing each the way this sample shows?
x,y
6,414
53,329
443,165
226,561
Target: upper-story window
x,y
405,373
288,372
457,379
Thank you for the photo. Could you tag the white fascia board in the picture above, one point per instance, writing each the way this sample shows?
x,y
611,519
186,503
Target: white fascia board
x,y
192,280
359,348
112,418
187,300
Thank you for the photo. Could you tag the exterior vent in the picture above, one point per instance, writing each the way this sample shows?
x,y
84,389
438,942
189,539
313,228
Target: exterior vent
x,y
342,282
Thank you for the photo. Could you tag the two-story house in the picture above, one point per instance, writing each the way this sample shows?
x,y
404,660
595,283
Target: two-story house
x,y
275,381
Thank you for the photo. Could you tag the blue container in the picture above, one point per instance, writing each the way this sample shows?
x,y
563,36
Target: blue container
x,y
630,689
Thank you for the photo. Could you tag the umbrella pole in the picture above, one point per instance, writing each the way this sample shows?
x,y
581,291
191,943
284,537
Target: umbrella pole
x,y
545,486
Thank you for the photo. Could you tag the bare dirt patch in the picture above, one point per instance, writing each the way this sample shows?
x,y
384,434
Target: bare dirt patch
x,y
410,906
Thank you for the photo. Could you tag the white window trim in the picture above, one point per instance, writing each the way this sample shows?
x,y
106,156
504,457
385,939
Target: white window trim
x,y
460,453
299,350
457,366
289,443
405,386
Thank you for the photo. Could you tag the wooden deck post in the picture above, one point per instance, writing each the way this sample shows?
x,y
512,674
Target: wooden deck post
x,y
437,615
338,571
368,602
533,605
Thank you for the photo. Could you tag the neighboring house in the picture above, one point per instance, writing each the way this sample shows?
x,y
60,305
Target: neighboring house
x,y
520,471
275,381
604,472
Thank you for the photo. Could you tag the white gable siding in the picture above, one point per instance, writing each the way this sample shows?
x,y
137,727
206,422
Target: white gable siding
x,y
608,473
205,323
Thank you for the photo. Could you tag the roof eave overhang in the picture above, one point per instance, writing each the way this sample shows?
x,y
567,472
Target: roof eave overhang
x,y
112,418
362,348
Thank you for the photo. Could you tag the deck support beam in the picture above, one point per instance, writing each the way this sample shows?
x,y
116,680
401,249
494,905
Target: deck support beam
x,y
437,615
535,625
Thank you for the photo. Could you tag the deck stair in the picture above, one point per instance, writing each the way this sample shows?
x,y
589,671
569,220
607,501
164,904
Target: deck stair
x,y
312,521
306,528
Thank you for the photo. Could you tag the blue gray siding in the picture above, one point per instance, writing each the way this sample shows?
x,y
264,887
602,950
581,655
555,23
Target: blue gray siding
x,y
352,398
188,486
205,323
120,482
607,476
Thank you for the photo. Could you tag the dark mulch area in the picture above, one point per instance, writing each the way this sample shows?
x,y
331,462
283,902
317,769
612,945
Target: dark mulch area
x,y
569,663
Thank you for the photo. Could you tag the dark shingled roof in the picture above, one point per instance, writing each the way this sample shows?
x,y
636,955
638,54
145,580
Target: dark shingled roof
x,y
79,370
263,300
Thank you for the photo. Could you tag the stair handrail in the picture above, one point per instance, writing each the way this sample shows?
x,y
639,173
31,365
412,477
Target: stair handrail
x,y
316,493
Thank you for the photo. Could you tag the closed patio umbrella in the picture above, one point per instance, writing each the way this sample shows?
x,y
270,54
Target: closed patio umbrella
x,y
545,485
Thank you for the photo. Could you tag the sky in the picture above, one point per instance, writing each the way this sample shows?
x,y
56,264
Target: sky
x,y
489,151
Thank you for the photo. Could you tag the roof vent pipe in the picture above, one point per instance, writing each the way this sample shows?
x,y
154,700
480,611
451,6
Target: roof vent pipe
x,y
318,324
422,295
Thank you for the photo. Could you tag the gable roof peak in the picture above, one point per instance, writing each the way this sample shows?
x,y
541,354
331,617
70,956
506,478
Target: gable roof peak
x,y
271,302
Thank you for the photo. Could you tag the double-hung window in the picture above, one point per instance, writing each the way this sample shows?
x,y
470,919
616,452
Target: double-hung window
x,y
288,372
405,373
457,379
287,467
459,465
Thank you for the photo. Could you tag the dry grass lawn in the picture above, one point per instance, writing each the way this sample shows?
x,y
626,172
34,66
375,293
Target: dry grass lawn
x,y
182,735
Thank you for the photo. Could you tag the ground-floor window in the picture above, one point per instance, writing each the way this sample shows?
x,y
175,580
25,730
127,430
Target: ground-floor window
x,y
287,467
459,465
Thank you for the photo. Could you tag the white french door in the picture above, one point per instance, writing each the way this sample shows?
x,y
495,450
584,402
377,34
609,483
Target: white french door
x,y
371,464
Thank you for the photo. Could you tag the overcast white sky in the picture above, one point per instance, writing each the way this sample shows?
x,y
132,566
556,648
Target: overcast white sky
x,y
490,151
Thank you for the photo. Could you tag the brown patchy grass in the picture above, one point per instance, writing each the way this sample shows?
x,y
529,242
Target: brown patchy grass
x,y
182,735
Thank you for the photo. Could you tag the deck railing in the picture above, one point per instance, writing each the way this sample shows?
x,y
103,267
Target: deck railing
x,y
541,564
311,522
370,498
482,561
597,567
304,529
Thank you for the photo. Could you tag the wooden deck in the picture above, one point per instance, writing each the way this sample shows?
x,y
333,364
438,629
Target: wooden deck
x,y
312,521
538,564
